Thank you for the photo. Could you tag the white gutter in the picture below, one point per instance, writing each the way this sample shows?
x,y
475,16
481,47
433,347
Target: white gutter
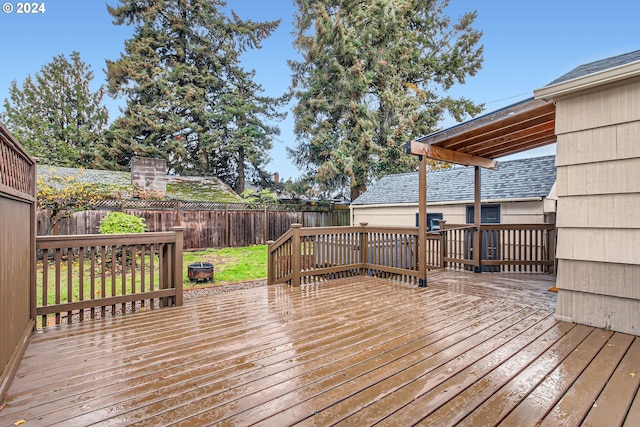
x,y
590,81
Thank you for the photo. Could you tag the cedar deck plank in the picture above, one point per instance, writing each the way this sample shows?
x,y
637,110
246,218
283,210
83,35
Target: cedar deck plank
x,y
616,398
405,387
632,418
395,375
583,393
305,383
289,348
540,401
428,393
473,388
501,402
359,323
235,376
166,342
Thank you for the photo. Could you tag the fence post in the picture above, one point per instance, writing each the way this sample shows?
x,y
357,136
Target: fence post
x,y
227,236
178,273
296,253
178,213
364,248
265,224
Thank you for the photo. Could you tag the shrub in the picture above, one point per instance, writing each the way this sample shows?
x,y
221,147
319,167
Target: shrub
x,y
119,223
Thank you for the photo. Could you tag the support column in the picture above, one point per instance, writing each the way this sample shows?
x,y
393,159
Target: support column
x,y
177,267
422,222
477,219
296,254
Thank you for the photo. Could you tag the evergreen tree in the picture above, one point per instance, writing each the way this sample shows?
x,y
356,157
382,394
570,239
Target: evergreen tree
x,y
57,117
374,75
189,101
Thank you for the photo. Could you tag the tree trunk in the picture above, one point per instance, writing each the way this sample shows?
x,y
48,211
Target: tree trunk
x,y
357,191
240,184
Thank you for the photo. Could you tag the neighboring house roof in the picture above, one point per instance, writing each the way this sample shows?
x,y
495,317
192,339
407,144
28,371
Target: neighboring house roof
x,y
596,66
192,188
515,179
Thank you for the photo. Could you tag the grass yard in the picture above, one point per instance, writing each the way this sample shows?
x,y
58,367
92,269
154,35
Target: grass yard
x,y
231,265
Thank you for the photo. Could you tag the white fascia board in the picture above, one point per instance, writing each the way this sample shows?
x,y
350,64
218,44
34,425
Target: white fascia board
x,y
590,81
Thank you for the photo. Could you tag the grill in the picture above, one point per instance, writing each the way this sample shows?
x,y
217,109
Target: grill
x,y
200,271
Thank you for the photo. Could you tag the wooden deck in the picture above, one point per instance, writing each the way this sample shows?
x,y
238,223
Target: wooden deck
x,y
472,349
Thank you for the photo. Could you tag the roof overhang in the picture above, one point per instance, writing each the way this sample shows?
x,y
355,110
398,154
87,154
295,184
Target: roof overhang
x,y
590,81
518,127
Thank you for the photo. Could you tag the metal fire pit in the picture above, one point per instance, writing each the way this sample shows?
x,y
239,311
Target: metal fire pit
x,y
200,271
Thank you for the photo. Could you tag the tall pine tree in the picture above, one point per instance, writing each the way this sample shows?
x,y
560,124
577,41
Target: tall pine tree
x,y
56,115
375,74
189,100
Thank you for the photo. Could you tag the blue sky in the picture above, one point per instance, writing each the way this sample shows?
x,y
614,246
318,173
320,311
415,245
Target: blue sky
x,y
528,43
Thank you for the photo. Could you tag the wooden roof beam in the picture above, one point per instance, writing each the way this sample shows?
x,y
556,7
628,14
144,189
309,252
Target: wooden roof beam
x,y
470,140
507,116
438,153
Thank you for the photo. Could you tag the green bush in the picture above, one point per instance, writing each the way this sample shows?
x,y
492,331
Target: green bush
x,y
120,223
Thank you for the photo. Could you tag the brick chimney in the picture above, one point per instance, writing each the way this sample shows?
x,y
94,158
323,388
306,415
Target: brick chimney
x,y
276,177
149,175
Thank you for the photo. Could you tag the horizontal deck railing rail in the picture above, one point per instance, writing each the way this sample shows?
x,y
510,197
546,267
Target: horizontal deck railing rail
x,y
303,255
87,276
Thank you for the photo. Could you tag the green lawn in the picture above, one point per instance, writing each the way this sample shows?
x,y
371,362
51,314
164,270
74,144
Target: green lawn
x,y
231,265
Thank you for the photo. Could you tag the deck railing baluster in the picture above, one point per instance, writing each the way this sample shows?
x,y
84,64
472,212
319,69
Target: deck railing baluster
x,y
116,259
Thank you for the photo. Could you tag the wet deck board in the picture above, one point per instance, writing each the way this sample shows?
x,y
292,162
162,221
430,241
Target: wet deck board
x,y
470,349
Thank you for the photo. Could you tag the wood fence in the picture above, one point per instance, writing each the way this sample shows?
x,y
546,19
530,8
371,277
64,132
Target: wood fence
x,y
17,253
224,226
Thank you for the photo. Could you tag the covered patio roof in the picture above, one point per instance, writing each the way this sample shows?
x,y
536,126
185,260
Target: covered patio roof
x,y
518,127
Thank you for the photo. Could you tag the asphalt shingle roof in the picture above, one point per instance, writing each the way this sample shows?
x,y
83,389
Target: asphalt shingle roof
x,y
600,65
513,179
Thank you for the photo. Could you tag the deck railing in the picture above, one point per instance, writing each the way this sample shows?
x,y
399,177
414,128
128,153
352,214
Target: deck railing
x,y
521,248
304,255
87,276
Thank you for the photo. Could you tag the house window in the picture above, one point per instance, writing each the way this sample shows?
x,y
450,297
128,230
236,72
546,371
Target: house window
x,y
489,214
433,219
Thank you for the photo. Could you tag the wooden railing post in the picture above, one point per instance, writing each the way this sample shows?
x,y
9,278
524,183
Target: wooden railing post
x,y
270,264
177,268
443,242
296,253
364,248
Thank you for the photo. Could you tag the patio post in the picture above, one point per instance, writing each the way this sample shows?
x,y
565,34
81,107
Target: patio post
x,y
422,221
477,219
